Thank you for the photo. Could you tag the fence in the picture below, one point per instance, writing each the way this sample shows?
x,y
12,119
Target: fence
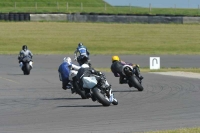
x,y
87,7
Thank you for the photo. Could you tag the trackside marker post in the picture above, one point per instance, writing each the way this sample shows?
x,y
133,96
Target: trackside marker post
x,y
154,62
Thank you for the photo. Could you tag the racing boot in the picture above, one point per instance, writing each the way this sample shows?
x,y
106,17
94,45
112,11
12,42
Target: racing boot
x,y
93,98
137,72
87,93
122,80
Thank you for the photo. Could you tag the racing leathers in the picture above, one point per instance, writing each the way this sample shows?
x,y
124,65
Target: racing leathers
x,y
66,70
117,66
83,54
24,53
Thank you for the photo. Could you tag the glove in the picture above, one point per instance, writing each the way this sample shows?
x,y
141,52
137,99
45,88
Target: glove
x,y
136,65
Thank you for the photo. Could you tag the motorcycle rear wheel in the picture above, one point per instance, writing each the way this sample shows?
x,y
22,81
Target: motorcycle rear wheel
x,y
134,81
100,97
26,69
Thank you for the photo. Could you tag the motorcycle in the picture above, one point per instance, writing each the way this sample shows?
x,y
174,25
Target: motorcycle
x,y
82,59
131,78
27,65
99,89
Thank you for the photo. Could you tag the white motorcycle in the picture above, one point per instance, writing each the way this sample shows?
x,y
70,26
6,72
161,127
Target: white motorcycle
x,y
99,89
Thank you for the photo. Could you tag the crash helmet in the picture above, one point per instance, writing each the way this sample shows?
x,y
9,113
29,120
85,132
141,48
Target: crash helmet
x,y
80,44
68,60
115,58
24,47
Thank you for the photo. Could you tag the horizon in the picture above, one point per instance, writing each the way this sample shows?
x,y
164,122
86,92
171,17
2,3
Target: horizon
x,y
156,3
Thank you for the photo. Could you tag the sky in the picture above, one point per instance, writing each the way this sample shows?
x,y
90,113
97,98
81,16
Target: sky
x,y
157,3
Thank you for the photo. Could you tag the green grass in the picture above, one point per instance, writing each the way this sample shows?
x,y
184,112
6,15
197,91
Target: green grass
x,y
182,130
100,38
87,6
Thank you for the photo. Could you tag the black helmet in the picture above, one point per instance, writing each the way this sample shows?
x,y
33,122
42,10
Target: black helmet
x,y
80,44
24,47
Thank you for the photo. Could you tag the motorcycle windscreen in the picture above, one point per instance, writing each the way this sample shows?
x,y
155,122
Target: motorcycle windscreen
x,y
89,82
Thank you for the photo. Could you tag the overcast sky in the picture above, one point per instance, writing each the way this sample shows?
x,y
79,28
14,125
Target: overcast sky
x,y
157,3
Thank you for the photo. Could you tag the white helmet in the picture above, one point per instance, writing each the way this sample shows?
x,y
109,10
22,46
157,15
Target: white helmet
x,y
68,60
85,66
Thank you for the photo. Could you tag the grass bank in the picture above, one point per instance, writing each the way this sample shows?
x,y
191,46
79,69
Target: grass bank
x,y
100,38
88,6
181,130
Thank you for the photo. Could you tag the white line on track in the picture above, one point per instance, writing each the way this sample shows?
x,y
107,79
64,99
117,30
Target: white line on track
x,y
10,80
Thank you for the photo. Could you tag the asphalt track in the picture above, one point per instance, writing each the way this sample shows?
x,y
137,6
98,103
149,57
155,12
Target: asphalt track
x,y
37,103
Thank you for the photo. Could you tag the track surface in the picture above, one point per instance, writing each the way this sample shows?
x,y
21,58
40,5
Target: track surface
x,y
37,103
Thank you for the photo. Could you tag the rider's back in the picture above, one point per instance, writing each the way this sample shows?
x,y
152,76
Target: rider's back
x,y
116,67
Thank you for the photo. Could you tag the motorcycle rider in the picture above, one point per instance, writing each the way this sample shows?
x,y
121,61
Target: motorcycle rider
x,y
86,71
117,66
64,71
83,53
25,52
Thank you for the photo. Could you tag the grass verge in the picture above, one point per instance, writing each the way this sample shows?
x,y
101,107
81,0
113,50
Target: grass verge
x,y
99,38
181,130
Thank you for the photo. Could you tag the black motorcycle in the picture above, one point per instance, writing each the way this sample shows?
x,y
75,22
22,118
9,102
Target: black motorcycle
x,y
82,59
131,78
26,66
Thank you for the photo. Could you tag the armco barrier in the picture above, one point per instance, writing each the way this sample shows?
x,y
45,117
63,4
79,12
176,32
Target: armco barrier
x,y
123,18
92,17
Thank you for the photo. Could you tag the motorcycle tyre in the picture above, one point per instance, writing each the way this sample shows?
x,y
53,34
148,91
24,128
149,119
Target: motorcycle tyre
x,y
134,81
100,97
26,69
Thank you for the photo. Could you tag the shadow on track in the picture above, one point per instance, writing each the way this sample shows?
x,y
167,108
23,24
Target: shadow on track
x,y
80,106
126,91
61,99
15,74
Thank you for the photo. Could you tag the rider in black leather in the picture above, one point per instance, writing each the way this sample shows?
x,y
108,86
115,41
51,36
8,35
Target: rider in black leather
x,y
117,66
86,71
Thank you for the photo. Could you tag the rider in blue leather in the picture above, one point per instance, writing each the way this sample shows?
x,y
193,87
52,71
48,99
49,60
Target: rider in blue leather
x,y
64,71
83,52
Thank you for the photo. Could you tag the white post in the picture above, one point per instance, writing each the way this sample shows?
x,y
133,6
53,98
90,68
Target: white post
x,y
57,5
199,7
36,6
150,7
